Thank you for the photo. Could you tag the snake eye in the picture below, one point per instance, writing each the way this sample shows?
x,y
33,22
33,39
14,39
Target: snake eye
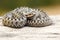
x,y
29,14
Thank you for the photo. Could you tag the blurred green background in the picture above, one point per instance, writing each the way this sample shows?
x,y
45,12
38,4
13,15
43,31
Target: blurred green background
x,y
8,5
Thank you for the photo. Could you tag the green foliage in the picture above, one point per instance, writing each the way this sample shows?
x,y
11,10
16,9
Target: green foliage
x,y
8,4
11,4
35,3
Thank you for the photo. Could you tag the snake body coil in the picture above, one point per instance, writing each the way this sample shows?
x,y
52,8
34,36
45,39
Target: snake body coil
x,y
14,20
39,19
24,15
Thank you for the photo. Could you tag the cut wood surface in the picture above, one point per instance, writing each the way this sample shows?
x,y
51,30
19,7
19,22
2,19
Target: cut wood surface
x,y
51,32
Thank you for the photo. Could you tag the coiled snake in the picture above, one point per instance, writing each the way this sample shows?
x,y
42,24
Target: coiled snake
x,y
22,16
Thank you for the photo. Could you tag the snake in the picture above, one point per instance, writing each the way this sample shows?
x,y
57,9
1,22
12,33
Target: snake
x,y
22,16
